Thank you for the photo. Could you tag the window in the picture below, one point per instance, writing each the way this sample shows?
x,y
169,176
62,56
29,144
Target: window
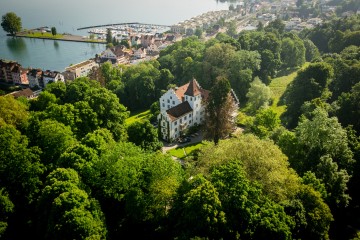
x,y
170,97
168,106
168,101
190,122
175,123
175,129
191,99
185,118
190,115
180,120
173,102
163,104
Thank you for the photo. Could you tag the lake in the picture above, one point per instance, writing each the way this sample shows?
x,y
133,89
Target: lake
x,y
68,15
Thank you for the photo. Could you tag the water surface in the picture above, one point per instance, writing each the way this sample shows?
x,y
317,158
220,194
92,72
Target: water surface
x,y
68,15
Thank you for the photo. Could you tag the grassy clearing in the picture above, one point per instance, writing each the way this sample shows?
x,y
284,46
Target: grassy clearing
x,y
182,152
138,116
278,86
44,35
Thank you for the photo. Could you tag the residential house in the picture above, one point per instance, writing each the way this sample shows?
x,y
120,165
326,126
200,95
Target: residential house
x,y
52,76
117,55
27,92
81,69
163,46
178,28
140,53
135,40
181,108
15,74
147,40
153,50
6,69
171,38
19,75
35,78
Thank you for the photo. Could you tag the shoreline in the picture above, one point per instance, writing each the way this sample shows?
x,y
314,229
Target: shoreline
x,y
65,37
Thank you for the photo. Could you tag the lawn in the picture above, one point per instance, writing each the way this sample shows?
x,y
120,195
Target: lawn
x,y
278,86
43,35
182,152
138,116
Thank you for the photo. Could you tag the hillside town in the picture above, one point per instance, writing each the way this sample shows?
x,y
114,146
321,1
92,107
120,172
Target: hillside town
x,y
145,44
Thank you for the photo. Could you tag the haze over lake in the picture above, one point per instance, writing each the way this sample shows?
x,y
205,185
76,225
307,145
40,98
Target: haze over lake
x,y
68,15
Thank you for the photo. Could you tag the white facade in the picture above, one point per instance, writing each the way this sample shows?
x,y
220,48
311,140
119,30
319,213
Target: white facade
x,y
108,54
82,69
181,108
52,77
34,77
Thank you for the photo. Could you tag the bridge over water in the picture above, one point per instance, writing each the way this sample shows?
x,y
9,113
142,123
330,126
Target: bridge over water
x,y
122,24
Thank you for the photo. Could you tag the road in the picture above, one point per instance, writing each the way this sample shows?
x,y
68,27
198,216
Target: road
x,y
169,146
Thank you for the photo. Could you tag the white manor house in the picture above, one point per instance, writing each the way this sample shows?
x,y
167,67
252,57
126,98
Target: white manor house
x,y
181,108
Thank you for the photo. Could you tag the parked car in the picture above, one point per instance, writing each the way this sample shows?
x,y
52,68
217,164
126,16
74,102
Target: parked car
x,y
184,140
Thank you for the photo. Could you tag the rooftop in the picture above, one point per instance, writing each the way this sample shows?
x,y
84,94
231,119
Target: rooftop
x,y
179,110
74,67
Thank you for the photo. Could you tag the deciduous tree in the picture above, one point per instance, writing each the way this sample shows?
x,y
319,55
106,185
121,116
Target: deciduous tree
x,y
11,23
144,135
219,111
259,95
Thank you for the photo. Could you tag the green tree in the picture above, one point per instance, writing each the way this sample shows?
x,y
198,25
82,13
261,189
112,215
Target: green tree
x,y
6,209
109,38
54,138
277,25
262,161
310,83
198,32
219,111
318,214
310,179
144,135
11,23
44,100
259,95
68,211
13,112
252,216
266,121
58,89
320,145
349,112
199,211
292,52
149,205
85,119
231,28
100,140
110,113
216,62
312,52
53,31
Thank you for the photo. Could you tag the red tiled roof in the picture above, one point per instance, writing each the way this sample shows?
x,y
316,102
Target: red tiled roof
x,y
193,89
181,90
23,93
179,110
